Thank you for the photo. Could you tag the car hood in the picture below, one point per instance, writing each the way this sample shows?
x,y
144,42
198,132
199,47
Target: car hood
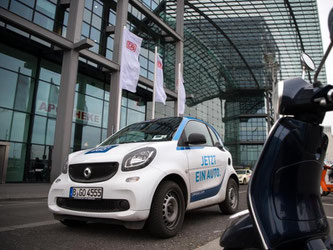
x,y
110,153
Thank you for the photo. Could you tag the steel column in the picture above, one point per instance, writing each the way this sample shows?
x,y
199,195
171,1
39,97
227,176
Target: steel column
x,y
115,90
65,107
179,46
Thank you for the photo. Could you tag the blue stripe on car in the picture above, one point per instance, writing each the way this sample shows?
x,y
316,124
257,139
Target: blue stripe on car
x,y
203,194
188,148
102,149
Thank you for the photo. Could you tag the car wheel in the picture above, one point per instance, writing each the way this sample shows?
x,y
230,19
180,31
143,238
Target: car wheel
x,y
73,223
167,210
230,204
244,181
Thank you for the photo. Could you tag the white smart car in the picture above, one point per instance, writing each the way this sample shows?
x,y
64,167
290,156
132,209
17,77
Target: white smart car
x,y
149,172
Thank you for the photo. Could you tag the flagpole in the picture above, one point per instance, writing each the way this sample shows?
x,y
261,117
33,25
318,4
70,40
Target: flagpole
x,y
120,90
178,84
154,86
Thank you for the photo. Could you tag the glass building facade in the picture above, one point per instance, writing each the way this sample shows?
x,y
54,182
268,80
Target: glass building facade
x,y
221,89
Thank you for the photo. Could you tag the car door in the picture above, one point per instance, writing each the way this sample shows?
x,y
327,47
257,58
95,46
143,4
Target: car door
x,y
206,163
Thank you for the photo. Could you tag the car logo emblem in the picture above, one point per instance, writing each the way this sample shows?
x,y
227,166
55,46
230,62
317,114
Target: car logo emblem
x,y
87,173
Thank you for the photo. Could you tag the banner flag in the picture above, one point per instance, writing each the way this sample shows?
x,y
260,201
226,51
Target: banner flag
x,y
181,93
160,95
130,66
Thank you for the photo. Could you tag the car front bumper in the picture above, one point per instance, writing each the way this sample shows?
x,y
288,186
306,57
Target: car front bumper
x,y
137,188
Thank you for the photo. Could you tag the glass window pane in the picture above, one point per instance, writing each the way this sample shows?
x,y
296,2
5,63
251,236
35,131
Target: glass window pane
x,y
88,3
4,4
50,72
88,110
17,61
198,127
46,7
7,88
87,15
98,8
96,21
123,117
5,122
95,35
16,162
134,116
50,131
90,86
38,132
19,128
85,29
105,114
91,137
47,99
43,21
21,9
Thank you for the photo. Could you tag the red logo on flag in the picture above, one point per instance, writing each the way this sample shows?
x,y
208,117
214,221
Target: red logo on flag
x,y
131,46
159,64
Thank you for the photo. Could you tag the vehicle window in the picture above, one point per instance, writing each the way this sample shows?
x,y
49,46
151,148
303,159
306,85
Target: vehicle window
x,y
214,137
155,130
198,127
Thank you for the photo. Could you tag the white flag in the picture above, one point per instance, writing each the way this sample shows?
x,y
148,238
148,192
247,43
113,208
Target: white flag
x,y
130,66
160,95
181,94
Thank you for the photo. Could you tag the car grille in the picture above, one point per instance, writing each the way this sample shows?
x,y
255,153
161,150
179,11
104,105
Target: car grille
x,y
105,205
92,172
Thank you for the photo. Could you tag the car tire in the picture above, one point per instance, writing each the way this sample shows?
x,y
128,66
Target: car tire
x,y
73,223
167,210
230,204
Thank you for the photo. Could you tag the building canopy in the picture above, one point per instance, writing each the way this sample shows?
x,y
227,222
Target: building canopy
x,y
230,46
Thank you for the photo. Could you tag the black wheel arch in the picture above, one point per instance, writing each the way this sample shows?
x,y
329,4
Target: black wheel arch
x,y
234,176
179,181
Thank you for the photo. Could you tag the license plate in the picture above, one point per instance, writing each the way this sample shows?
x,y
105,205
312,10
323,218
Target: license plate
x,y
86,193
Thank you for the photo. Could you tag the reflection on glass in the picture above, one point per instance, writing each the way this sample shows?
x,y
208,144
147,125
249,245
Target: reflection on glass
x,y
43,21
21,9
16,161
46,7
47,99
5,122
50,131
50,72
38,132
88,110
17,61
19,127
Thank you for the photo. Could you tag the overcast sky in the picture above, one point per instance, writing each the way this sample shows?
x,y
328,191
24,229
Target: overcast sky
x,y
324,7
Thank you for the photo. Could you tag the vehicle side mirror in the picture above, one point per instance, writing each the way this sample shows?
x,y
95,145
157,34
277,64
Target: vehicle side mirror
x,y
218,144
307,62
196,138
330,24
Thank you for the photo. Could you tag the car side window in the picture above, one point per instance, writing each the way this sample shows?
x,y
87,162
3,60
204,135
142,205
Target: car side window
x,y
198,127
214,137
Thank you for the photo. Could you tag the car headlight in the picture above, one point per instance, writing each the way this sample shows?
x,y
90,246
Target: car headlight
x,y
64,168
138,159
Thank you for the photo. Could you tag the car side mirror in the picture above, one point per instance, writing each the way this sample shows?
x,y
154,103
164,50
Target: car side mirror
x,y
196,138
307,62
218,145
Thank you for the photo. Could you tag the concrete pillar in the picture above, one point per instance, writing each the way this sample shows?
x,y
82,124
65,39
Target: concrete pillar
x,y
65,107
179,45
115,90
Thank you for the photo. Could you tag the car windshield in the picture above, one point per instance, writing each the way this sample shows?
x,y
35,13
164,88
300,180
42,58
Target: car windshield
x,y
240,171
155,130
